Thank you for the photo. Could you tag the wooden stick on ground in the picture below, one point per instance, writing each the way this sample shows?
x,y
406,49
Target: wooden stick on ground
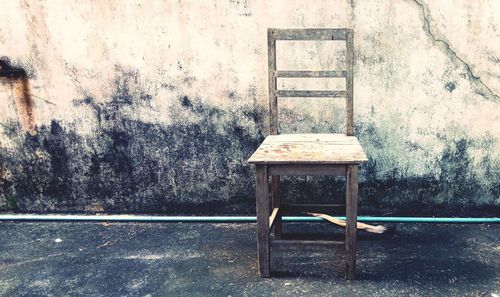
x,y
369,228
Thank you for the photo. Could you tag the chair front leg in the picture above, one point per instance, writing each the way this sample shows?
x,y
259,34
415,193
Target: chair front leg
x,y
262,205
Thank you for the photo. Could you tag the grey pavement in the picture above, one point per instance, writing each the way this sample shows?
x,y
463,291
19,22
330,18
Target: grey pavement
x,y
201,259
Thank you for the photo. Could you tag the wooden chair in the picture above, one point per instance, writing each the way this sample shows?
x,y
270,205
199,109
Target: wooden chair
x,y
305,154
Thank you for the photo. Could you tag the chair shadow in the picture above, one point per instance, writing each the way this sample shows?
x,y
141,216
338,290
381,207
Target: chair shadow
x,y
418,256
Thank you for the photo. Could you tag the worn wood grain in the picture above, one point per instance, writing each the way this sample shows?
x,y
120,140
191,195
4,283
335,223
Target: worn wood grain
x,y
306,93
273,100
306,154
262,205
339,73
351,221
350,83
309,34
300,137
309,149
307,169
291,243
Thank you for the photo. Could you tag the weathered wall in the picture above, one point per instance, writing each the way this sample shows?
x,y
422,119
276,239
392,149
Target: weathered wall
x,y
154,106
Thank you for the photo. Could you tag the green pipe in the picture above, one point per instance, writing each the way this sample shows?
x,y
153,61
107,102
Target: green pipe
x,y
230,219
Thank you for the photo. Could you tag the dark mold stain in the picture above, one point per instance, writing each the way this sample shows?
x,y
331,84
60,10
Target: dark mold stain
x,y
7,199
459,183
455,191
10,71
450,86
55,146
186,102
168,86
17,78
197,165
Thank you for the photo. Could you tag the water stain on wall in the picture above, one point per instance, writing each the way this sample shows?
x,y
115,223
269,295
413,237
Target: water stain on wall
x,y
18,81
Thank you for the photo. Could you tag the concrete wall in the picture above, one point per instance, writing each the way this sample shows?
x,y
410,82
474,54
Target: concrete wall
x,y
154,106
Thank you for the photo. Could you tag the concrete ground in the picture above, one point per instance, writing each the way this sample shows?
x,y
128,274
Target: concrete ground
x,y
188,259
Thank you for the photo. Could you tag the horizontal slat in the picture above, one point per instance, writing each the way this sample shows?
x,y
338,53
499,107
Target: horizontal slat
x,y
291,209
305,169
311,73
309,34
319,94
306,137
291,243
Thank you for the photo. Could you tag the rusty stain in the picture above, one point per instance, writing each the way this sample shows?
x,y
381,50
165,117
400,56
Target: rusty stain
x,y
18,80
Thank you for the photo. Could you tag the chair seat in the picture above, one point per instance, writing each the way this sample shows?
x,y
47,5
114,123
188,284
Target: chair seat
x,y
309,149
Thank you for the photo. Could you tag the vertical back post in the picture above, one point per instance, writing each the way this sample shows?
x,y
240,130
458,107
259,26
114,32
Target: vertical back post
x,y
273,100
349,121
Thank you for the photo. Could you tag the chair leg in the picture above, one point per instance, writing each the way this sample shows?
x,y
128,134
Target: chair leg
x,y
275,189
262,203
351,218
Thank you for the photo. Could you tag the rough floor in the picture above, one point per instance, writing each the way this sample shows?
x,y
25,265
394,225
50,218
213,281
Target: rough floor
x,y
186,259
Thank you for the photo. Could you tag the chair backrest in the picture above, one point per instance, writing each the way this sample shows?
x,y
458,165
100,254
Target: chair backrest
x,y
310,34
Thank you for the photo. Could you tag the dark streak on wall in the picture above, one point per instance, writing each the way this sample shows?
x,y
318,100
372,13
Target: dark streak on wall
x,y
17,79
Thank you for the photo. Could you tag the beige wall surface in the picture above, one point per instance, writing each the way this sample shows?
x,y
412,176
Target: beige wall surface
x,y
155,106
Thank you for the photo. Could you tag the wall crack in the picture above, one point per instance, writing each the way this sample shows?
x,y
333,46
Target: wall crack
x,y
485,91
